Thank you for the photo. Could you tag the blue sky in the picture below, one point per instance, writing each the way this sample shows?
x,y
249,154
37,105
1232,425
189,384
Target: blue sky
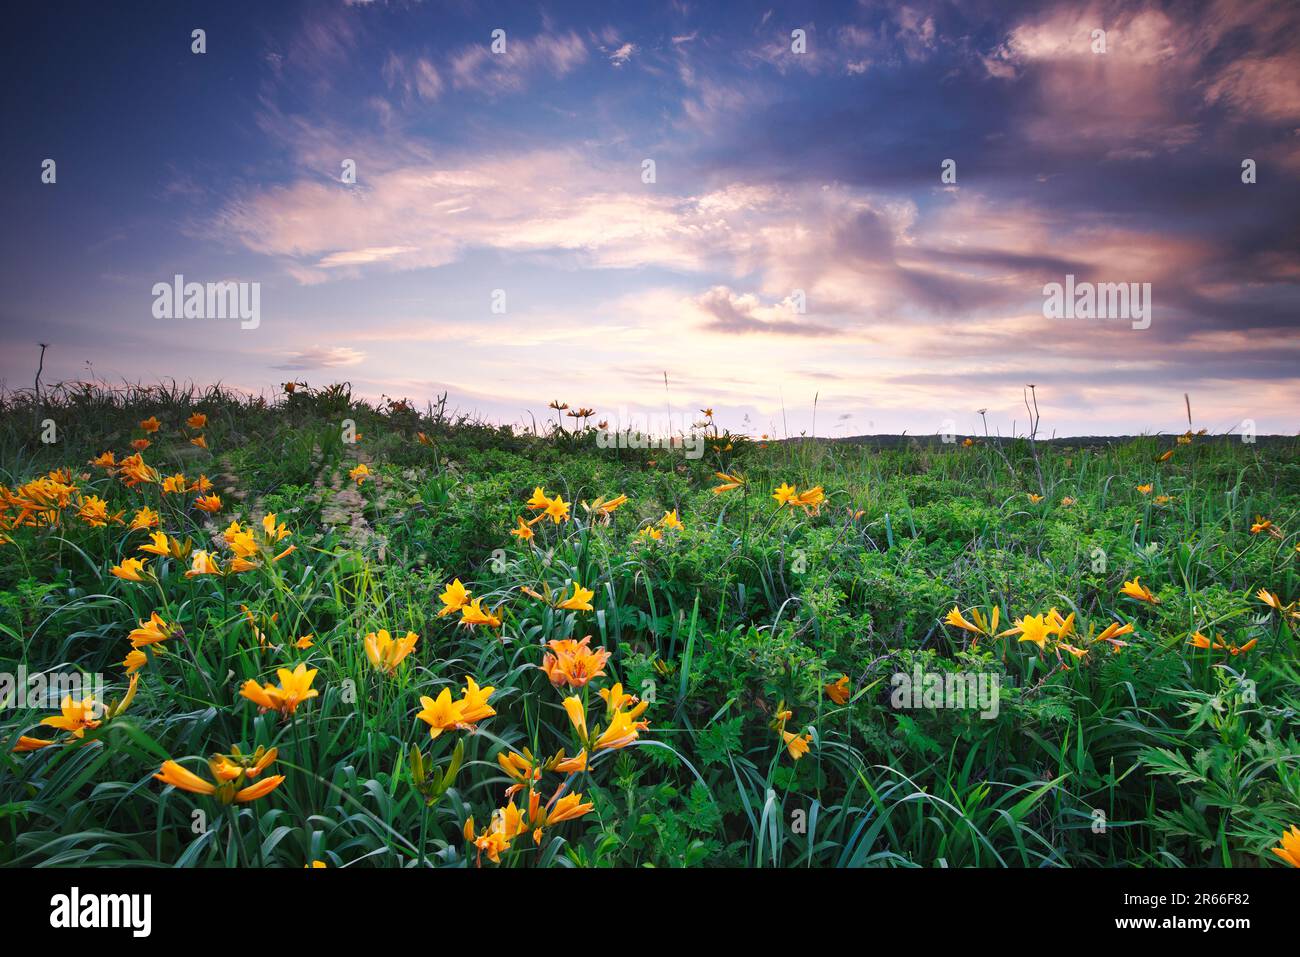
x,y
779,176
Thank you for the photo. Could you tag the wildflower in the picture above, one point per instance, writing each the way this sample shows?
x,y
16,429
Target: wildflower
x,y
811,500
197,421
360,473
152,632
1112,633
134,661
131,570
200,441
1145,489
1067,502
232,773
1199,640
981,625
649,534
1165,456
208,503
968,442
579,601
785,494
557,510
795,744
473,614
105,460
729,481
272,531
1035,628
454,598
203,564
622,729
507,824
572,765
838,690
1035,498
151,424
174,484
93,510
133,471
573,663
671,521
1264,525
158,544
385,652
615,698
577,716
305,642
603,507
444,714
294,688
140,444
145,518
202,484
77,717
1061,627
1139,592
522,532
1289,849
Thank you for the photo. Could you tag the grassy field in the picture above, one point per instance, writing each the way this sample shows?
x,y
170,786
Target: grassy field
x,y
372,653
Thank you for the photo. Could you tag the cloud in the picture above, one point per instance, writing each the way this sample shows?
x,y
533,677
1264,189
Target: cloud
x,y
732,313
476,67
321,358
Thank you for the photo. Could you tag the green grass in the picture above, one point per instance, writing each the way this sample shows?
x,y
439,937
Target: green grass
x,y
1159,755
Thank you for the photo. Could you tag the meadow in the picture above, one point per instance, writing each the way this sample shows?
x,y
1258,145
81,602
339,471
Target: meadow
x,y
330,633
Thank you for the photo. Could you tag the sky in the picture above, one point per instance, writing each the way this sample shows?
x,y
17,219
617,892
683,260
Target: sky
x,y
649,207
